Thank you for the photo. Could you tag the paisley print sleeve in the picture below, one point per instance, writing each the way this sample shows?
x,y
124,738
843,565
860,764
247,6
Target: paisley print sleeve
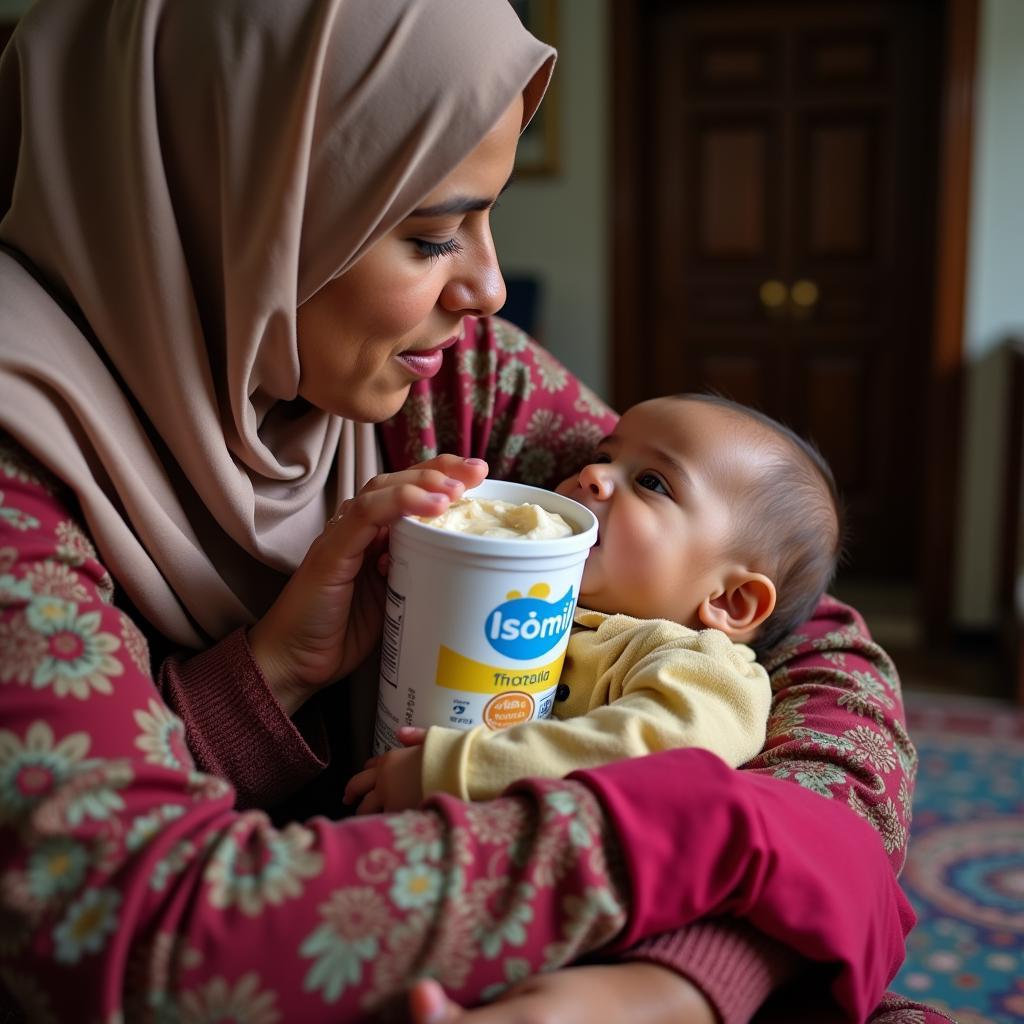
x,y
503,398
837,725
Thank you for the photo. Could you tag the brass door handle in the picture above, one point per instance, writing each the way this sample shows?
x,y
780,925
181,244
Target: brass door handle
x,y
804,295
773,295
799,300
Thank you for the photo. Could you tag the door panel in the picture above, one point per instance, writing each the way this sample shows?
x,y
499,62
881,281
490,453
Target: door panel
x,y
837,166
789,206
732,179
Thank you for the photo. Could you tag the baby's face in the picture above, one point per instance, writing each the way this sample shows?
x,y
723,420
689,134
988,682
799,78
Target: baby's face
x,y
662,487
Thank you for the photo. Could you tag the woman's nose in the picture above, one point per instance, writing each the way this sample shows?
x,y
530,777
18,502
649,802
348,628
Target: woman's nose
x,y
597,479
477,287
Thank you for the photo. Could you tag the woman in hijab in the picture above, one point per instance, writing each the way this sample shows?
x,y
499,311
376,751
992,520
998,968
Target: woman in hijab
x,y
236,239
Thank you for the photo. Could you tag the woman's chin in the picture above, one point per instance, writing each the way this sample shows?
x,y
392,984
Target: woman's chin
x,y
395,405
374,410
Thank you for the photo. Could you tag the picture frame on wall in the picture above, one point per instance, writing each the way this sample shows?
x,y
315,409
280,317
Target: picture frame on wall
x,y
539,153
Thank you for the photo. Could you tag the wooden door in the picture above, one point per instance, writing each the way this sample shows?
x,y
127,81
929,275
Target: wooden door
x,y
789,169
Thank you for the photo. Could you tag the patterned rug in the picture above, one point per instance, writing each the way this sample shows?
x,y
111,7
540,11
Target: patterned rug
x,y
965,873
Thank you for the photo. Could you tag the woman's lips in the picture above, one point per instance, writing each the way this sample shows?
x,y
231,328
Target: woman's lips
x,y
425,362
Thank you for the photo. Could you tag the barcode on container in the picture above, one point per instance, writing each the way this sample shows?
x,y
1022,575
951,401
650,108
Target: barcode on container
x,y
394,614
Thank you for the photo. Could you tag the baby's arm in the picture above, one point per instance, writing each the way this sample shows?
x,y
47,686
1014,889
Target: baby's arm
x,y
637,687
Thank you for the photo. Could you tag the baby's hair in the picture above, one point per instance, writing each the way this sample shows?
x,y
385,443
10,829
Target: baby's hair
x,y
793,513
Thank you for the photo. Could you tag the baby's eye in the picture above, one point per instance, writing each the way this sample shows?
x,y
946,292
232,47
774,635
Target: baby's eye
x,y
651,482
601,457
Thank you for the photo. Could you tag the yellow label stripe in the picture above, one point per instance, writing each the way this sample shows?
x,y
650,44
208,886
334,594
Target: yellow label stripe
x,y
457,672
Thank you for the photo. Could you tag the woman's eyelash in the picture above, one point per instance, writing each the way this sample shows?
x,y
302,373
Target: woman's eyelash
x,y
435,250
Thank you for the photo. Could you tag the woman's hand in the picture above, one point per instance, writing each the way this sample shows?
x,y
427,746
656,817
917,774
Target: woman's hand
x,y
638,992
329,615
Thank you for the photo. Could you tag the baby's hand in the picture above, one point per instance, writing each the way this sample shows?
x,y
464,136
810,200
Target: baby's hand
x,y
392,781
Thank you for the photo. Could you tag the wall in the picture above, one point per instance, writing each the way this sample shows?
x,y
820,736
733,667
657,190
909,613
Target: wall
x,y
557,228
11,10
995,303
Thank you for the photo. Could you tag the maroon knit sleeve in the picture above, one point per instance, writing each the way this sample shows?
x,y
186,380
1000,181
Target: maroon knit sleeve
x,y
734,965
235,728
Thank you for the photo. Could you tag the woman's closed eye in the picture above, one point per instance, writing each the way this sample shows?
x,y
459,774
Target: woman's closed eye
x,y
652,482
435,250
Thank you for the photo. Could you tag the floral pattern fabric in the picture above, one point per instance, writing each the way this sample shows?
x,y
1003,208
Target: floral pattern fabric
x,y
124,869
837,725
503,398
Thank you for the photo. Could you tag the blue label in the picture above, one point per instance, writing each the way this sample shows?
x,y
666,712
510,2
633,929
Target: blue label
x,y
524,628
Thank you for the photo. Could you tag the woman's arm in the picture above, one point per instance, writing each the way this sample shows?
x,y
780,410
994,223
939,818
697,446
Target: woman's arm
x,y
236,728
638,993
837,727
234,725
127,876
128,881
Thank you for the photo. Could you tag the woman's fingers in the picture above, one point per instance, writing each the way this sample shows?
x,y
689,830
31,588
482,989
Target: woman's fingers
x,y
427,479
358,526
428,1004
424,490
441,473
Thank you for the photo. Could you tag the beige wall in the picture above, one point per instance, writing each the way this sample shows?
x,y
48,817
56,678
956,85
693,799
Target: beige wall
x,y
995,301
557,228
11,10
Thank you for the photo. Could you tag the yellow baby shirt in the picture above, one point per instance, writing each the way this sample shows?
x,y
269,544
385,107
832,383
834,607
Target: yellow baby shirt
x,y
636,686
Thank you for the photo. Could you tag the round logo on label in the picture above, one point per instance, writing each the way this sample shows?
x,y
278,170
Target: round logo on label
x,y
508,709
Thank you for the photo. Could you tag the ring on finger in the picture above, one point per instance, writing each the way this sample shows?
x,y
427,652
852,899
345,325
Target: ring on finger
x,y
340,514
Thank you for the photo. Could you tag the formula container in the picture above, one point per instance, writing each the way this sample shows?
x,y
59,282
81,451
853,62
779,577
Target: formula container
x,y
475,628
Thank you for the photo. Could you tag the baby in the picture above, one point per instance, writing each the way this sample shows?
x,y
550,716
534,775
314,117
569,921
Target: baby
x,y
718,531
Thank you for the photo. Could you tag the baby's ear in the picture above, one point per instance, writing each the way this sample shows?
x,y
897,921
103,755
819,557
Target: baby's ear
x,y
747,600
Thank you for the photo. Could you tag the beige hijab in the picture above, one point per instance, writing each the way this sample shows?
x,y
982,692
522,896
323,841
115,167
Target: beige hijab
x,y
177,177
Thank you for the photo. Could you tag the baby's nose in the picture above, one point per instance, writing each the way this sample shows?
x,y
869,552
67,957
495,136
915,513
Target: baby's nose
x,y
597,479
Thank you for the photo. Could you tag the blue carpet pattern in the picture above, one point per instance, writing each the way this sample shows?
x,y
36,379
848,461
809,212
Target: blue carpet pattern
x,y
965,872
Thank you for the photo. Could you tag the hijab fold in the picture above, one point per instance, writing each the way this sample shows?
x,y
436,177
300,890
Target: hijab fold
x,y
177,177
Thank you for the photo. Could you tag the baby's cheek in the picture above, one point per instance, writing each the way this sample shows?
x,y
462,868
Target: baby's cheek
x,y
646,551
594,580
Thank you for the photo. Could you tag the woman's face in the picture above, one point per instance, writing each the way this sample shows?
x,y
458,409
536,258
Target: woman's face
x,y
367,336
